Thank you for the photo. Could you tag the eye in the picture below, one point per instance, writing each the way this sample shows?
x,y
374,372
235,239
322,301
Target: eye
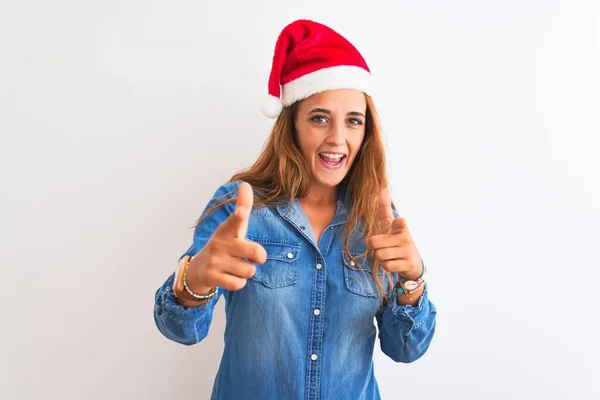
x,y
319,119
355,121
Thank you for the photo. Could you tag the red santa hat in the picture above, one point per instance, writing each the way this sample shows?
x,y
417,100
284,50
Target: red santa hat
x,y
312,58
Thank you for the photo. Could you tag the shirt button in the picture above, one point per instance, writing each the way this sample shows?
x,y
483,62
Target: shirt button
x,y
317,311
313,357
352,263
290,255
331,228
319,266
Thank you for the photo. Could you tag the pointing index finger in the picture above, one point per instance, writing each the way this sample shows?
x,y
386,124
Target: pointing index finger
x,y
386,216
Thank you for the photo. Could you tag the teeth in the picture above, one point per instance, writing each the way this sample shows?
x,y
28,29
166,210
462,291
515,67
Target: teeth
x,y
332,155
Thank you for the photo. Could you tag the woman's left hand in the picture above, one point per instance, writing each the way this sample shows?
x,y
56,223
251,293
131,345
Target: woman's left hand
x,y
395,250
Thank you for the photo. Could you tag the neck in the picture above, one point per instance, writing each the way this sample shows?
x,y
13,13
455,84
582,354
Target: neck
x,y
321,196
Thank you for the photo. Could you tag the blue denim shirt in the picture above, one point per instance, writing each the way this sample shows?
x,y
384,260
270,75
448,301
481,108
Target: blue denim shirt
x,y
304,326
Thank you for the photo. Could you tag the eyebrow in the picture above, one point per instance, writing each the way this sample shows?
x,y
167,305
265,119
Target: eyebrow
x,y
326,111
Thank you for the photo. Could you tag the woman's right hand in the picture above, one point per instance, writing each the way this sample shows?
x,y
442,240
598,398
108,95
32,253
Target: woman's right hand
x,y
220,262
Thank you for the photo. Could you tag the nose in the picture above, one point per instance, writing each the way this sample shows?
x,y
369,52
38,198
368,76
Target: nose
x,y
336,134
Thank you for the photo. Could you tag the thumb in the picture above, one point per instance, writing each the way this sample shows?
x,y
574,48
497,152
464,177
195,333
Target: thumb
x,y
238,221
386,216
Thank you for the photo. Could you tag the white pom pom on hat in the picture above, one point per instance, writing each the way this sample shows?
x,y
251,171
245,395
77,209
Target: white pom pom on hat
x,y
310,58
272,106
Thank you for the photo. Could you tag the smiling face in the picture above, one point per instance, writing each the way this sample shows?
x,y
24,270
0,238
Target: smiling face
x,y
330,128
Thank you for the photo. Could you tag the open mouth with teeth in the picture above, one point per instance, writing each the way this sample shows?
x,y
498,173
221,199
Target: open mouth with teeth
x,y
332,158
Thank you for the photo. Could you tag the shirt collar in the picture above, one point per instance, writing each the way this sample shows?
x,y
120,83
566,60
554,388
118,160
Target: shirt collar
x,y
293,211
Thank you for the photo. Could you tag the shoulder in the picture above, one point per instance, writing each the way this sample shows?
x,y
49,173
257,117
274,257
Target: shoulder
x,y
230,189
227,191
221,198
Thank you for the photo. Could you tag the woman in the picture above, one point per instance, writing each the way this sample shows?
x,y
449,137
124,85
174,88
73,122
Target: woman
x,y
305,245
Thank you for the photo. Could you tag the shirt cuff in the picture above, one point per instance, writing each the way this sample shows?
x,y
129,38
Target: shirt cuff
x,y
412,315
167,304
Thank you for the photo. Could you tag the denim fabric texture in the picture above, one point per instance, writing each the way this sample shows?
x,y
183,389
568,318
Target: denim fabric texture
x,y
304,327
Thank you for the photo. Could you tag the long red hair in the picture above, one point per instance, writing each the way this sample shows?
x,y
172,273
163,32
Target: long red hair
x,y
282,173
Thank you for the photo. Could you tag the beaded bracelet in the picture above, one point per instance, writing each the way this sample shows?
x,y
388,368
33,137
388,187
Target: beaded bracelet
x,y
208,295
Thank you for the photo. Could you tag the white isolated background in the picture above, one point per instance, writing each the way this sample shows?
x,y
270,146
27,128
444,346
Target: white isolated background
x,y
119,119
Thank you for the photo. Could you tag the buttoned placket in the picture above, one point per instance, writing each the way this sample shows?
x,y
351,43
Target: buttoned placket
x,y
317,300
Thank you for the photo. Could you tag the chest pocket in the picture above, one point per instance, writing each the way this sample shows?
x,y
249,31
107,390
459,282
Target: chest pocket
x,y
281,267
359,279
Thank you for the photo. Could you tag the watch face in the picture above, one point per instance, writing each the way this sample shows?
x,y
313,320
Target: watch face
x,y
410,285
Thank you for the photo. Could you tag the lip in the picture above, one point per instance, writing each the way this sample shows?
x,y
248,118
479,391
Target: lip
x,y
329,166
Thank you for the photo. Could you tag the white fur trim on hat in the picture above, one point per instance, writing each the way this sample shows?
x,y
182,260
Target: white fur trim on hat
x,y
272,106
339,77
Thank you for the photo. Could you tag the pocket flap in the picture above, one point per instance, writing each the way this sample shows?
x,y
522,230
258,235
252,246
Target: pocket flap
x,y
281,251
364,262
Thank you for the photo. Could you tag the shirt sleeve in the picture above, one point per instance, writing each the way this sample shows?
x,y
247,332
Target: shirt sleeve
x,y
190,325
406,331
185,325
